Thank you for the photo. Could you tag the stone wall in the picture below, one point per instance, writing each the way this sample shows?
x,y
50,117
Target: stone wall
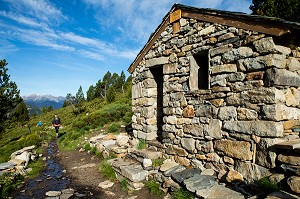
x,y
251,105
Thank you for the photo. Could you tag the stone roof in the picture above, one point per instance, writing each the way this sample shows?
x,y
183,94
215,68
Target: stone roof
x,y
268,25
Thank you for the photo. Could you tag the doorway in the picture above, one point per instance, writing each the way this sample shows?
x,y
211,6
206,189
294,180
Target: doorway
x,y
157,72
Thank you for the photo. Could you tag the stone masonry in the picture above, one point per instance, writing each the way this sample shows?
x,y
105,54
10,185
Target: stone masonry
x,y
251,104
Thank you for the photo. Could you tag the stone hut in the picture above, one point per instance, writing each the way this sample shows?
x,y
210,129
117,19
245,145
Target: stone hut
x,y
220,89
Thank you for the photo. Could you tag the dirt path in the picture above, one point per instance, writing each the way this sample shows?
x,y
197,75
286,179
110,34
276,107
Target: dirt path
x,y
83,171
78,171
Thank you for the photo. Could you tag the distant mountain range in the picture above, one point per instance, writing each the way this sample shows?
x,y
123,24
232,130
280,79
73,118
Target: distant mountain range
x,y
35,102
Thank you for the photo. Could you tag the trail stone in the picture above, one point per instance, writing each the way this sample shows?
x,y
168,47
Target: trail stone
x,y
106,184
218,192
122,140
147,162
134,172
185,174
53,193
198,182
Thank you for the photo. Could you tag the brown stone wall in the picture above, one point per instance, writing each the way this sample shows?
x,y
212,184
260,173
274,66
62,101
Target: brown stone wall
x,y
252,97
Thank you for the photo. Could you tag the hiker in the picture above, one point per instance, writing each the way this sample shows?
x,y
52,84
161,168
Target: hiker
x,y
39,123
56,124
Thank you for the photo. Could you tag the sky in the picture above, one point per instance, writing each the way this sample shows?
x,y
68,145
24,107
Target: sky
x,y
55,46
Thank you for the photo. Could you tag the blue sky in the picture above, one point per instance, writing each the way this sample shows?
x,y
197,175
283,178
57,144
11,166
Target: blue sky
x,y
54,46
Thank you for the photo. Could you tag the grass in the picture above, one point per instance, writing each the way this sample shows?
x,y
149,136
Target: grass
x,y
153,188
182,194
9,183
142,144
107,170
157,162
37,167
268,186
124,184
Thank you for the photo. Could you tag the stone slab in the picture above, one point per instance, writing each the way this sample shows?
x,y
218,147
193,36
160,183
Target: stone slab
x,y
174,170
198,182
7,165
134,172
145,153
185,174
219,192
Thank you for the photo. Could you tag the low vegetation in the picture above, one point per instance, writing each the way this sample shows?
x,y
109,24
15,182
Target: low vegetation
x,y
154,188
182,194
107,170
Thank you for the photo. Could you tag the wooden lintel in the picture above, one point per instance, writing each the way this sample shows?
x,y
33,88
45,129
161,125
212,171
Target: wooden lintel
x,y
149,44
258,26
175,16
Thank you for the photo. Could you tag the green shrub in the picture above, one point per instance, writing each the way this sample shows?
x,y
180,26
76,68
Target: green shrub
x,y
267,185
128,117
114,127
87,147
153,187
86,128
124,184
107,170
32,139
9,183
142,144
182,194
79,124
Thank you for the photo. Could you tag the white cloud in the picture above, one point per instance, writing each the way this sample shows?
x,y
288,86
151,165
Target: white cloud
x,y
41,10
92,55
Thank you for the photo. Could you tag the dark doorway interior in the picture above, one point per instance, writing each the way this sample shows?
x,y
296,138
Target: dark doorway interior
x,y
158,77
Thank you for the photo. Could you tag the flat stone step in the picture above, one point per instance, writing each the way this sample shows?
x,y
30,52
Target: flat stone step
x,y
219,192
145,153
129,169
290,144
185,174
198,182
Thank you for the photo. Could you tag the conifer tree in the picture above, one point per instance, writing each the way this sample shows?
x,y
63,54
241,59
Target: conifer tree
x,y
79,96
9,95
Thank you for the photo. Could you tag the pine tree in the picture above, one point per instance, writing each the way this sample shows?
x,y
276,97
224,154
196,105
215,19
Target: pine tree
x,y
9,95
90,94
284,9
111,95
79,96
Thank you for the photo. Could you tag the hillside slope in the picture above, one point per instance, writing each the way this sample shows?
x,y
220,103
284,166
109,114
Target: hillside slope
x,y
76,122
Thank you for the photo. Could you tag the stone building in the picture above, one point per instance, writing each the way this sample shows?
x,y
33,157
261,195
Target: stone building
x,y
220,89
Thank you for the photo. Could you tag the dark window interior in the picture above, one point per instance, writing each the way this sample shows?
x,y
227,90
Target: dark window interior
x,y
203,73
